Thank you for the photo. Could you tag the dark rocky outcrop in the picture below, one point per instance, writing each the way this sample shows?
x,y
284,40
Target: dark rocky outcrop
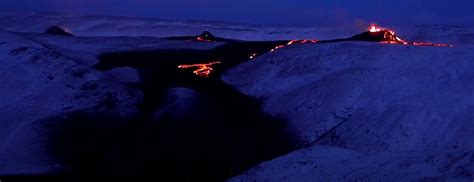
x,y
55,30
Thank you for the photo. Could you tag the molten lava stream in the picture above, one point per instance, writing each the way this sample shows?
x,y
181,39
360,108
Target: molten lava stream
x,y
203,70
253,56
203,39
292,42
287,44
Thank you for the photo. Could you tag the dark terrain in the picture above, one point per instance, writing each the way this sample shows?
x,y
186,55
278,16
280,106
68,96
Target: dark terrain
x,y
221,134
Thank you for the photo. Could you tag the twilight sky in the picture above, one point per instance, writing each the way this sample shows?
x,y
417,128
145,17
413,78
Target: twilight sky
x,y
292,12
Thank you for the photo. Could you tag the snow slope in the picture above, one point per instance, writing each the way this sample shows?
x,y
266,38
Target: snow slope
x,y
45,79
37,83
375,103
326,163
363,111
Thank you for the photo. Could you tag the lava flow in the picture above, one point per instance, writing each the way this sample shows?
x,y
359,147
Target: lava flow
x,y
293,42
203,70
284,45
253,56
373,34
202,39
389,37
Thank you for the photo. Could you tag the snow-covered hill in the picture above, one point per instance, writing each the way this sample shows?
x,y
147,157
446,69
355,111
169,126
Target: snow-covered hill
x,y
381,106
362,111
47,83
37,83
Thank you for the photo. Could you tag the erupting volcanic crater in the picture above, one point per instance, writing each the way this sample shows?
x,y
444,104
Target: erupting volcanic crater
x,y
375,34
383,35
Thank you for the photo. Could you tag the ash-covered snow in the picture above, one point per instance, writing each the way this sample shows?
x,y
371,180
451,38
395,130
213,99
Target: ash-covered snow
x,y
385,109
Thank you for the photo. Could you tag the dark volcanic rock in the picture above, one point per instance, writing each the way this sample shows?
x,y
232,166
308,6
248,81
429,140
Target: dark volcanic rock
x,y
54,30
371,36
207,36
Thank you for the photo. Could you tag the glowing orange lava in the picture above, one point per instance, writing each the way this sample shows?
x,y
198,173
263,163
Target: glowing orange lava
x,y
374,28
253,56
374,33
202,39
203,70
390,37
293,42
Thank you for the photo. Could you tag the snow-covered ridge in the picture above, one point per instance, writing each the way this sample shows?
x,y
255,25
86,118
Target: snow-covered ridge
x,y
126,26
326,85
393,102
84,25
